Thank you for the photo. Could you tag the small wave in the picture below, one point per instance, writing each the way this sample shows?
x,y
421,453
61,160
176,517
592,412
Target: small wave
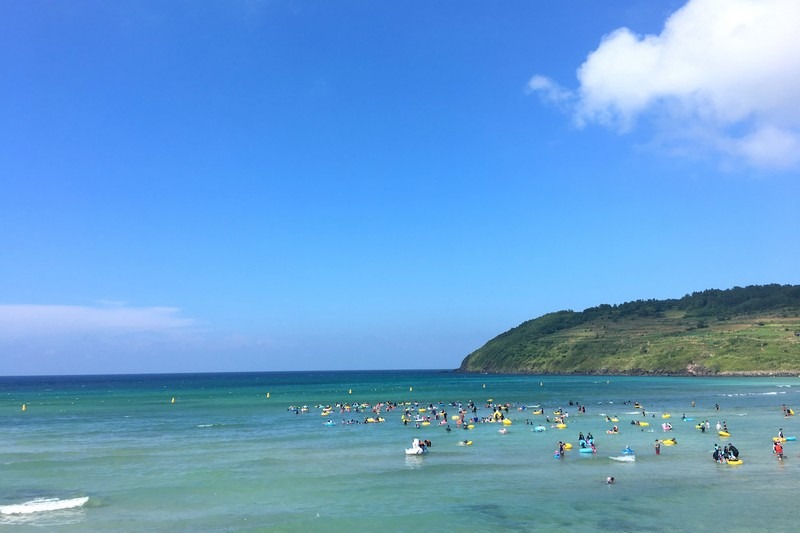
x,y
771,393
204,425
43,504
624,458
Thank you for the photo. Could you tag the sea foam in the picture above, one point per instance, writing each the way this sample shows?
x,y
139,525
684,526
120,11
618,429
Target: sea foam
x,y
43,504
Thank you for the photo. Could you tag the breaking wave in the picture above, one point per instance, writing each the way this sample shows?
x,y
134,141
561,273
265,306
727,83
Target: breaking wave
x,y
40,505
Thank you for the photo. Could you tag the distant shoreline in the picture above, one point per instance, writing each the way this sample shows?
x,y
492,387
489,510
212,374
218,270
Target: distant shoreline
x,y
642,373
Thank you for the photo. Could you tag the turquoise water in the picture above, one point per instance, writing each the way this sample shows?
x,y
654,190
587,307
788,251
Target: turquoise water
x,y
225,457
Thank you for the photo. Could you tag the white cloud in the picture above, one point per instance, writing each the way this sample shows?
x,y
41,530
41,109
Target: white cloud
x,y
25,320
722,73
550,91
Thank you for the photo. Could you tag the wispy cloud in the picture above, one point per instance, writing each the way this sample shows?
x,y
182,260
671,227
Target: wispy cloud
x,y
722,74
550,91
26,320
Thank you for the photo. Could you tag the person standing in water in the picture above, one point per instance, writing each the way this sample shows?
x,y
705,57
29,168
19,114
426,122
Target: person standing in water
x,y
777,449
560,451
658,447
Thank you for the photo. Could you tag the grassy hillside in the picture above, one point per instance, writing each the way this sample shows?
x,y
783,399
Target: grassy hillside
x,y
750,330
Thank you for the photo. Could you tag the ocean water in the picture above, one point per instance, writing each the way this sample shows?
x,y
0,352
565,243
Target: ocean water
x,y
115,453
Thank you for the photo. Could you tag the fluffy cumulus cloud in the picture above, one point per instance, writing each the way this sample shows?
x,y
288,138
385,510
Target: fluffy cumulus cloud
x,y
722,74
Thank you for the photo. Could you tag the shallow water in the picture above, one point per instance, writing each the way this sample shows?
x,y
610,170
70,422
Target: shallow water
x,y
225,457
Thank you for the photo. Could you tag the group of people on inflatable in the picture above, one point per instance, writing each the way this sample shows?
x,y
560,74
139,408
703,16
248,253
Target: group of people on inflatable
x,y
723,455
587,441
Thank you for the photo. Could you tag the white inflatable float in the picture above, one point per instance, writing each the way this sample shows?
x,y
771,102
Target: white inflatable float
x,y
415,449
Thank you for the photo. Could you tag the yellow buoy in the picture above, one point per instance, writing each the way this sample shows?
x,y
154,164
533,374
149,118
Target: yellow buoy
x,y
350,391
173,399
267,395
23,407
411,389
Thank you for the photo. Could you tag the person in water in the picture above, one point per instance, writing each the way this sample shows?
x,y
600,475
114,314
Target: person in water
x,y
734,452
777,449
610,480
658,447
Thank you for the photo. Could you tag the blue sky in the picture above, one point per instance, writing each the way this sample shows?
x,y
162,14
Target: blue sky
x,y
245,185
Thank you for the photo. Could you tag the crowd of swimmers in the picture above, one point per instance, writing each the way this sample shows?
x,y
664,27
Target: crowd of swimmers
x,y
468,414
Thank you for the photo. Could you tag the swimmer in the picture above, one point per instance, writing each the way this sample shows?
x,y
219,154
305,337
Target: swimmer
x,y
610,480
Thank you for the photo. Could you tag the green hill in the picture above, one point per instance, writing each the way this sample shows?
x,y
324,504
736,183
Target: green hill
x,y
746,331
